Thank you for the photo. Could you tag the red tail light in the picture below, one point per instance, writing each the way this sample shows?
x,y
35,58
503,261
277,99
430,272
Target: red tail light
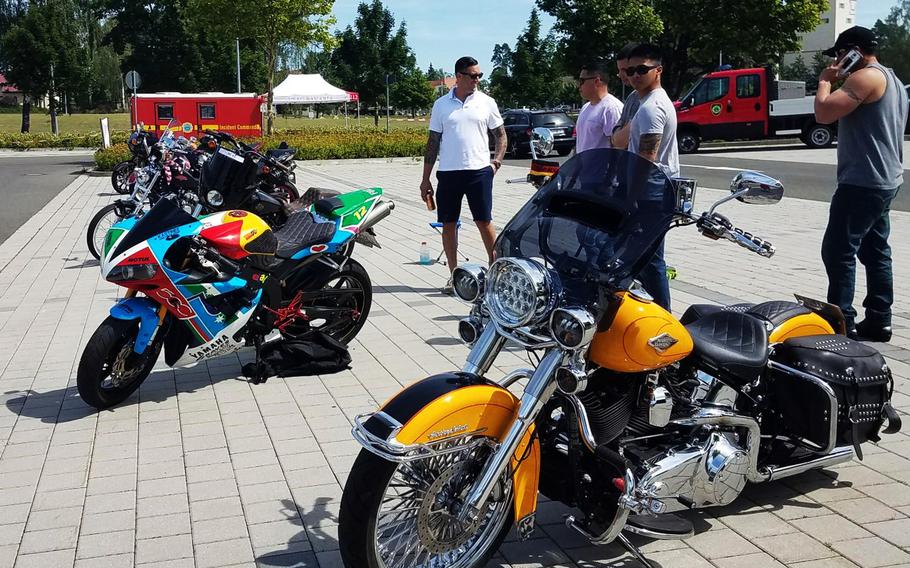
x,y
528,132
574,130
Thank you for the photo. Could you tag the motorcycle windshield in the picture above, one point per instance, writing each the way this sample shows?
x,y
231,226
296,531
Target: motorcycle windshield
x,y
602,216
162,216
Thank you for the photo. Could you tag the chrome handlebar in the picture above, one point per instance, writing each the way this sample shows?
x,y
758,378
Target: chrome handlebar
x,y
715,226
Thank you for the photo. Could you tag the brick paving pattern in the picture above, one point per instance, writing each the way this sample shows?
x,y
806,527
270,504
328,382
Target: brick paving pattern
x,y
202,469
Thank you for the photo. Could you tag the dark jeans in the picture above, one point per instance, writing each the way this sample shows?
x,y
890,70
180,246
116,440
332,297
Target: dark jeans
x,y
654,278
858,227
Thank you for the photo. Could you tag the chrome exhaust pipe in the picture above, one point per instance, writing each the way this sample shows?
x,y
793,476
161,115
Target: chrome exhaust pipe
x,y
379,212
838,455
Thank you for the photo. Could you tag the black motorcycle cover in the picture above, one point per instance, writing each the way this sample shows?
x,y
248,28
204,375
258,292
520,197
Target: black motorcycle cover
x,y
859,377
317,354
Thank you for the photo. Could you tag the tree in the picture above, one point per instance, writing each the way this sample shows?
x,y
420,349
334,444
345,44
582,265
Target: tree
x,y
412,92
894,39
526,75
370,52
589,30
41,53
796,71
271,24
697,32
434,74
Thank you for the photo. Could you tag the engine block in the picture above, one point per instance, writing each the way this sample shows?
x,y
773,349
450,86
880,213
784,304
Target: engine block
x,y
706,473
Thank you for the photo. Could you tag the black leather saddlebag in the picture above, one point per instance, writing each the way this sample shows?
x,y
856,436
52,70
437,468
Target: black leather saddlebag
x,y
859,377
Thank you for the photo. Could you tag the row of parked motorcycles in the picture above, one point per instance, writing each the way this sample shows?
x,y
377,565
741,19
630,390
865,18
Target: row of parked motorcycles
x,y
627,414
218,250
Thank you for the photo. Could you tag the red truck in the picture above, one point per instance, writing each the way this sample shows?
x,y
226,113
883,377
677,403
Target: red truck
x,y
748,104
238,114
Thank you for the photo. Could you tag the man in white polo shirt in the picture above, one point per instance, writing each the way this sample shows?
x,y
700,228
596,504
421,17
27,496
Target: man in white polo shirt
x,y
460,125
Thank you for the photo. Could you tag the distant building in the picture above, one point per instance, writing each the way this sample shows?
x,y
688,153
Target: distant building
x,y
840,15
9,94
443,86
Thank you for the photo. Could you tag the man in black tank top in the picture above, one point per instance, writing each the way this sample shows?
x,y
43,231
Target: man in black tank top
x,y
871,110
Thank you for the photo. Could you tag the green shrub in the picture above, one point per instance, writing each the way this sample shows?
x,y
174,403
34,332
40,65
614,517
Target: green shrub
x,y
107,158
19,141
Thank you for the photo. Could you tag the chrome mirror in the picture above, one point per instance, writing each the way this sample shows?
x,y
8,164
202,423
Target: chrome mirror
x,y
685,195
756,188
541,142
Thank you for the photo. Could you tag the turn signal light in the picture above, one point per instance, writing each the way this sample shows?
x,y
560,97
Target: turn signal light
x,y
620,484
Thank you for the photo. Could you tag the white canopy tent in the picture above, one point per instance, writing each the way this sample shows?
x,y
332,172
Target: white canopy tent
x,y
307,89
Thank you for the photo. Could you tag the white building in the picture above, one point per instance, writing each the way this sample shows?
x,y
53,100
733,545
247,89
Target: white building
x,y
840,15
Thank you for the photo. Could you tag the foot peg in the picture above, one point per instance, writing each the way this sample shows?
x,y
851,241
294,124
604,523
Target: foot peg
x,y
667,526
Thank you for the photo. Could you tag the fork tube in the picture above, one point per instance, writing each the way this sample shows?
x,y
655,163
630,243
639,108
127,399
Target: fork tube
x,y
484,352
540,388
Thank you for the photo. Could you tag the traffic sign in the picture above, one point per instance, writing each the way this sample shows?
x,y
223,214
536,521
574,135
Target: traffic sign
x,y
133,80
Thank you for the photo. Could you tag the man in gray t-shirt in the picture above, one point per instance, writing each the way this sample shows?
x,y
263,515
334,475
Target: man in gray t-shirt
x,y
871,111
630,106
652,135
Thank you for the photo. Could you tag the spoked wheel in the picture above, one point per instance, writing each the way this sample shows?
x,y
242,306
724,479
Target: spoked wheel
x,y
110,370
103,220
340,308
120,177
406,515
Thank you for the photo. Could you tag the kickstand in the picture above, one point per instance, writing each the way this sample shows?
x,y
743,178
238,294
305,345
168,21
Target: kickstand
x,y
634,550
258,377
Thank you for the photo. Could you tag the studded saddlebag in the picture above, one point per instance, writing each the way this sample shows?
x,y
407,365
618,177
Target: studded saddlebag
x,y
859,377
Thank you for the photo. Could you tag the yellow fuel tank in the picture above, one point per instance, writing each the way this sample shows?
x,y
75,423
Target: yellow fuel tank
x,y
642,337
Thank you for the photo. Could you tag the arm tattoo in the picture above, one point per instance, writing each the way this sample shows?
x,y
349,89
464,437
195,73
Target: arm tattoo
x,y
648,145
432,151
850,93
499,134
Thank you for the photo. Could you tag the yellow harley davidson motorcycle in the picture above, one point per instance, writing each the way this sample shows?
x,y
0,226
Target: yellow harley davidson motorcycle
x,y
629,415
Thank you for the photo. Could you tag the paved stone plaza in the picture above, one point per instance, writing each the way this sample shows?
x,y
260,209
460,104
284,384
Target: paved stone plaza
x,y
202,469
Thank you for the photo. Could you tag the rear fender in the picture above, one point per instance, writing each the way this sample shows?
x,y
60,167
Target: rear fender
x,y
148,313
452,405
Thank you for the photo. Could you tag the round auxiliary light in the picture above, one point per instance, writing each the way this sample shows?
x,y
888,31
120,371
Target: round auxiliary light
x,y
468,281
214,197
518,292
572,327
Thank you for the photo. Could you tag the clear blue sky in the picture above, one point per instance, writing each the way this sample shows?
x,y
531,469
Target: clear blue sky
x,y
441,31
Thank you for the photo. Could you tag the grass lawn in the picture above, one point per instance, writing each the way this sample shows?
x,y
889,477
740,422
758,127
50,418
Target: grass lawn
x,y
41,122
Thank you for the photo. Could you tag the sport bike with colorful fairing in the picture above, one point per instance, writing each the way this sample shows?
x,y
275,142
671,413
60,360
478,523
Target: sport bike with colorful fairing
x,y
628,415
201,288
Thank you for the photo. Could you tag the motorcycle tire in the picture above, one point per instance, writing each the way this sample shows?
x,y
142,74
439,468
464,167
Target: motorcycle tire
x,y
120,177
287,192
355,277
360,505
97,229
110,347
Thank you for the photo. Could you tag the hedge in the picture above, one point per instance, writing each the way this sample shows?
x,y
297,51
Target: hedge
x,y
107,158
321,144
19,141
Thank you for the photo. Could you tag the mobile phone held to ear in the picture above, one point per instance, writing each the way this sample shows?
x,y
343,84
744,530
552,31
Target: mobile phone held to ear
x,y
849,63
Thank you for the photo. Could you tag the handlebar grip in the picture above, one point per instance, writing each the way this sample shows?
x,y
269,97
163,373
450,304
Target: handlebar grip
x,y
755,244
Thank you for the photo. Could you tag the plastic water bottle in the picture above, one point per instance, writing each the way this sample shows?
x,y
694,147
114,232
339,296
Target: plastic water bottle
x,y
424,253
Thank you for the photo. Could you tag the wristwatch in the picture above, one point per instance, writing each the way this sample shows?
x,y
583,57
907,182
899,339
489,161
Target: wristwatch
x,y
496,163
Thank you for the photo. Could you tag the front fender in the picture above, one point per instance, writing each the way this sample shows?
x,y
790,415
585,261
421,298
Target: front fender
x,y
146,311
450,405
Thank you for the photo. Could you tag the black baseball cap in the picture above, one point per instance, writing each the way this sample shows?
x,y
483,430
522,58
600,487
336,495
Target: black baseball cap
x,y
857,36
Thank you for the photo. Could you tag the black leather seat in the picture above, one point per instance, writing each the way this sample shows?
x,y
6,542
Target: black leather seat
x,y
775,312
302,231
732,344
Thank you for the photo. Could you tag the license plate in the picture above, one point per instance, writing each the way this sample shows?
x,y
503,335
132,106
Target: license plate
x,y
557,131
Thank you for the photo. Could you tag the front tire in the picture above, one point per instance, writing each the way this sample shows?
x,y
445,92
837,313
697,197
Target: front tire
x,y
120,177
366,498
109,370
103,220
818,136
688,142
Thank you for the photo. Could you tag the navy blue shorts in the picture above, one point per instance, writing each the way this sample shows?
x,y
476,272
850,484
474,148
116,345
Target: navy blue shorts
x,y
453,185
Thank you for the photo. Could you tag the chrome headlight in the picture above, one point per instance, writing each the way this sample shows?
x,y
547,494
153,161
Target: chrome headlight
x,y
468,281
518,292
572,327
214,197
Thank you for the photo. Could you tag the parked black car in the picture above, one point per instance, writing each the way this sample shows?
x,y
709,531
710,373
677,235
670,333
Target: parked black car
x,y
519,124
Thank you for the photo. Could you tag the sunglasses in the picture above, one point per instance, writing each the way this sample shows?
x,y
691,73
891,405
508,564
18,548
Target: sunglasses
x,y
581,80
475,76
639,70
